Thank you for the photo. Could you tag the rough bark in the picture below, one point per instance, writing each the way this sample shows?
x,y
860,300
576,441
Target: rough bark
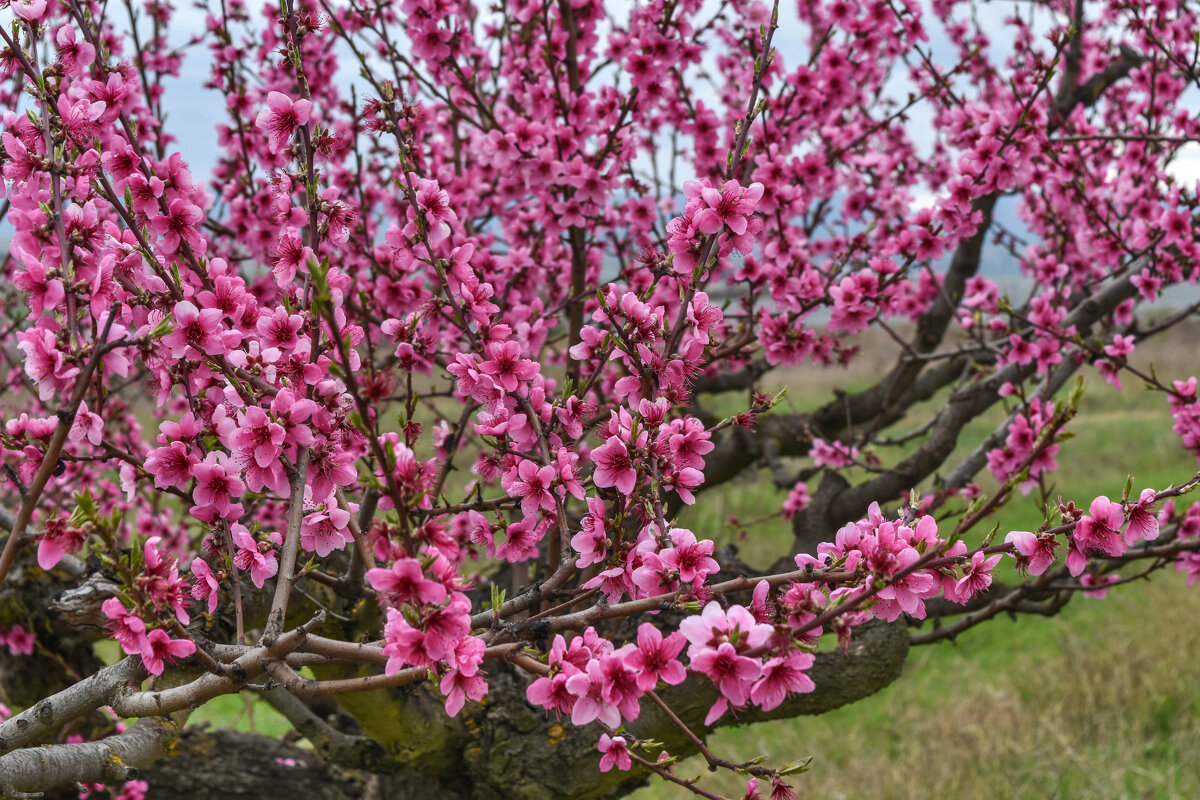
x,y
502,749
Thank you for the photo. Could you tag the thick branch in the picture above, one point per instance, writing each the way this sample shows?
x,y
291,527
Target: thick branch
x,y
43,720
115,757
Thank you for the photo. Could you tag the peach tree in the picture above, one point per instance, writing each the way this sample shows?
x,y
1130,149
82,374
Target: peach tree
x,y
388,422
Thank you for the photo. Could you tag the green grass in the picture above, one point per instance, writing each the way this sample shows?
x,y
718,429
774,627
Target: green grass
x,y
1101,701
242,712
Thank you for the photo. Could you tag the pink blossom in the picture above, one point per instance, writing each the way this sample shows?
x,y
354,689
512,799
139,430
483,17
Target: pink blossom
x,y
781,676
44,293
281,118
20,641
206,585
1100,582
179,225
977,577
405,582
160,646
655,657
1102,529
589,688
592,541
1143,522
217,483
908,592
551,693
614,467
825,454
439,636
506,366
172,465
727,207
1034,553
257,558
58,539
128,629
29,10
45,364
324,532
196,332
533,485
613,583
797,500
521,540
692,559
715,625
402,644
616,753
733,674
458,688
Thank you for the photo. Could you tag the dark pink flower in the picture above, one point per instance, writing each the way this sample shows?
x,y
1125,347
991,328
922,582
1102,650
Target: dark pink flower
x,y
172,465
692,559
733,674
180,224
728,207
205,585
20,641
506,366
551,693
405,582
1143,521
128,629
459,687
45,364
159,646
656,658
257,558
977,577
196,332
1034,554
592,541
1101,584
1101,530
58,539
217,483
588,687
521,541
614,467
533,485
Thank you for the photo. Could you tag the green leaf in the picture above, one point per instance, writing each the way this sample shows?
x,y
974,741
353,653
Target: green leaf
x,y
1076,392
796,767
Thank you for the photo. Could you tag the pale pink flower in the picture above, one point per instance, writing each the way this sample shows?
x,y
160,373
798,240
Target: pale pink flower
x,y
781,676
281,118
616,753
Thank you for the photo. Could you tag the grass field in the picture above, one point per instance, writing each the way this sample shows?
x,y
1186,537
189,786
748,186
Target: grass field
x,y
1102,701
